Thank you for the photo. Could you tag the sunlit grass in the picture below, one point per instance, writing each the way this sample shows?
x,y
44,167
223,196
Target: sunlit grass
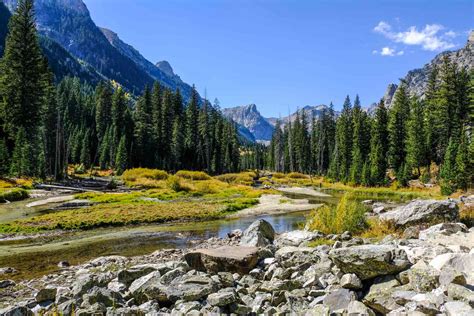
x,y
14,194
193,175
378,229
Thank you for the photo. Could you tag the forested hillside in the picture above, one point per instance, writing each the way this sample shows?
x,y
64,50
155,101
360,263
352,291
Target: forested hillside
x,y
430,139
45,127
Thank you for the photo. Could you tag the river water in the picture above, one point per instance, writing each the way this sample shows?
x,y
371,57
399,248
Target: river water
x,y
40,255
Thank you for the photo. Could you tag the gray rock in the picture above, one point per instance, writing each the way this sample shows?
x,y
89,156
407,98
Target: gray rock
x,y
96,309
422,211
380,296
185,308
351,281
238,259
357,308
16,311
296,238
461,293
222,298
422,277
448,276
6,283
46,294
444,229
85,282
339,299
7,270
370,261
259,234
458,309
102,296
127,276
459,262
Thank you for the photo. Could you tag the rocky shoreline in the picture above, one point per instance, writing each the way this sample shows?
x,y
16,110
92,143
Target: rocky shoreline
x,y
428,271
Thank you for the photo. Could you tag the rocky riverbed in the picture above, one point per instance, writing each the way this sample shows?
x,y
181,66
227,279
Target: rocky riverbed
x,y
428,271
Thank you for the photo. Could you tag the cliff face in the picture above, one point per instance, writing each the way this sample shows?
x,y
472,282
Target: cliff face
x,y
249,117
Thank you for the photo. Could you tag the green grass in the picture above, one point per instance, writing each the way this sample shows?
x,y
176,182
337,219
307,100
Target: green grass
x,y
116,214
11,195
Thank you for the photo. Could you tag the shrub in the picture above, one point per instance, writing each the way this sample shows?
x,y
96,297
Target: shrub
x,y
79,169
192,175
237,178
348,215
279,175
297,175
379,229
175,184
17,194
132,175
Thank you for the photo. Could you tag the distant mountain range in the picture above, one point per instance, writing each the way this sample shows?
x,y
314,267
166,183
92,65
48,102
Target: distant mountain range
x,y
261,128
76,46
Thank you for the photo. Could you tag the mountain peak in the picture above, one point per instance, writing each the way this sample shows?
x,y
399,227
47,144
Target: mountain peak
x,y
165,67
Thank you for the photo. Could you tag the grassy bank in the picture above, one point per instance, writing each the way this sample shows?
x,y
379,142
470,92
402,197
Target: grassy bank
x,y
158,198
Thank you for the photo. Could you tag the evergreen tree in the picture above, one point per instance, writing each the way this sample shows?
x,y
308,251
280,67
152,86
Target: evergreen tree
x,y
361,139
4,158
22,87
397,128
103,109
448,169
121,158
344,138
378,146
416,137
191,140
463,170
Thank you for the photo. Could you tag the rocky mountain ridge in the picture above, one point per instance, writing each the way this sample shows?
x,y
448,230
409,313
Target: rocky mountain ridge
x,y
68,23
417,79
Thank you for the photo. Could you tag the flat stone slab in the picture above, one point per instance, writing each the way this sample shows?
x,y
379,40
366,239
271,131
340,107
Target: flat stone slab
x,y
240,259
56,199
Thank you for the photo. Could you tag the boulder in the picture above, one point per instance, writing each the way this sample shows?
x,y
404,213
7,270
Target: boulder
x,y
351,281
461,293
358,308
459,262
370,261
380,296
6,283
296,238
422,277
422,211
444,229
222,298
16,311
458,309
127,276
46,294
339,299
238,259
259,234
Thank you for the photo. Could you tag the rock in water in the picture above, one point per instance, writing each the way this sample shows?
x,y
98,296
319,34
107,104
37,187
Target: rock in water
x,y
238,259
422,211
259,234
370,261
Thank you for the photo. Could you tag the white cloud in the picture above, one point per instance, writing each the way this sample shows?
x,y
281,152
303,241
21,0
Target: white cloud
x,y
388,51
429,38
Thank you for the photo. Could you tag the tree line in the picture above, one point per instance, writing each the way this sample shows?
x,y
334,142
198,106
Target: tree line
x,y
45,126
411,139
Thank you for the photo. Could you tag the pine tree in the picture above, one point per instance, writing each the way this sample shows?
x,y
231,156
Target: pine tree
x,y
378,146
22,84
416,137
144,153
360,141
344,138
191,140
103,109
4,158
448,169
121,158
463,170
444,121
397,127
432,136
86,151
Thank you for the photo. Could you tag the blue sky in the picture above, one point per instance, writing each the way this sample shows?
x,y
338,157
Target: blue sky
x,y
284,54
